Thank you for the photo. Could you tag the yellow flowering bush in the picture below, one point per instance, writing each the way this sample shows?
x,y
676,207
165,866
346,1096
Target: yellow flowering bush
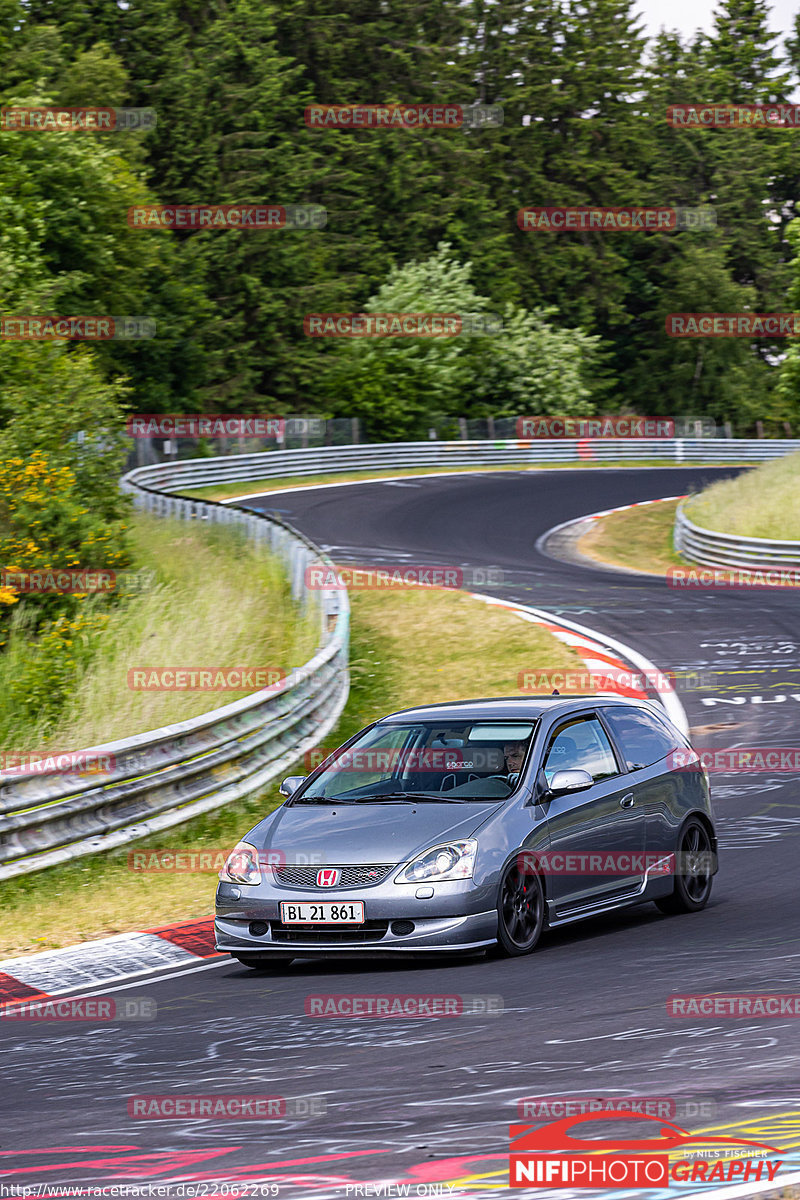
x,y
45,525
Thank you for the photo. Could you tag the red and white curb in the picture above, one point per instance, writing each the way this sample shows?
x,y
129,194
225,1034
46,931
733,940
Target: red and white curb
x,y
601,655
578,526
107,960
606,512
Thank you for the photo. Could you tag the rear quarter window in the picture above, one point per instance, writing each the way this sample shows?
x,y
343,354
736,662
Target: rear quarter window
x,y
642,738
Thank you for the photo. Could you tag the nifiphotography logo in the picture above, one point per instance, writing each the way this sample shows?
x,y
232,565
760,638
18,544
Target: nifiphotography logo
x,y
551,1156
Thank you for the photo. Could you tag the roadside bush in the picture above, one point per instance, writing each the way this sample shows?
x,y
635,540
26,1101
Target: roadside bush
x,y
46,525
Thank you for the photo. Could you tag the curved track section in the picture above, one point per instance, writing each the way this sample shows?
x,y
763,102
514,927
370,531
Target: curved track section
x,y
428,1102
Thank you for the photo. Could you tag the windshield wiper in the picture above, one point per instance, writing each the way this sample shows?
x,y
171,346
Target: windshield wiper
x,y
319,800
398,798
431,797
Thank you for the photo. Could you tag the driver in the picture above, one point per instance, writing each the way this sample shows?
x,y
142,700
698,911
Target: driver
x,y
514,755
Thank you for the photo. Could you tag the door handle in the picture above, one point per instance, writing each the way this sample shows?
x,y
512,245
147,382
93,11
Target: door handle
x,y
627,801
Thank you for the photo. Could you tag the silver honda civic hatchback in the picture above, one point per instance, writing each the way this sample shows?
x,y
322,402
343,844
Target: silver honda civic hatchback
x,y
473,826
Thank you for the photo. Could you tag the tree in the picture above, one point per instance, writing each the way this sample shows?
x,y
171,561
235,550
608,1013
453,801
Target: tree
x,y
719,377
787,397
399,386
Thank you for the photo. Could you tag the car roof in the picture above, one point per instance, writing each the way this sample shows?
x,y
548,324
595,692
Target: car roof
x,y
510,707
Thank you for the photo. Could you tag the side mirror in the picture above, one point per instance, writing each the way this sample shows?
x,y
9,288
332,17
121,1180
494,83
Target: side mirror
x,y
569,781
291,784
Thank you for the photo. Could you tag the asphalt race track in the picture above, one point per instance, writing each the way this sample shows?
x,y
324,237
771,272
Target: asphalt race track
x,y
428,1102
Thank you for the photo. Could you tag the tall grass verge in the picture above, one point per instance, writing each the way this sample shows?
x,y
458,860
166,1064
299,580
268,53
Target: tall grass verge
x,y
215,600
762,503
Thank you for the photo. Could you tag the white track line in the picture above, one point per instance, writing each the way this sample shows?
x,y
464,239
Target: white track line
x,y
668,698
318,487
539,469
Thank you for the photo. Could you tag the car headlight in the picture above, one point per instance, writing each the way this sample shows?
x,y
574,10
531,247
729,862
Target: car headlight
x,y
453,860
241,865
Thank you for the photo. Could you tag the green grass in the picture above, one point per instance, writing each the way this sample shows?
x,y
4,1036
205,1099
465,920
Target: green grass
x,y
408,646
637,538
764,503
216,601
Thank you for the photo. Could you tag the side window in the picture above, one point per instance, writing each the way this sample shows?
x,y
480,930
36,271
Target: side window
x,y
581,744
643,739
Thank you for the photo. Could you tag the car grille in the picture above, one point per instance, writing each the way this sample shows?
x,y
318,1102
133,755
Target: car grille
x,y
350,877
370,931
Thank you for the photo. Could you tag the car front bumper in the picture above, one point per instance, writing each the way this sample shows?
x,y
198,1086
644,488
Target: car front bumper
x,y
458,916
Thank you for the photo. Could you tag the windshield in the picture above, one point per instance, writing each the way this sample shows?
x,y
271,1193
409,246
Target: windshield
x,y
456,761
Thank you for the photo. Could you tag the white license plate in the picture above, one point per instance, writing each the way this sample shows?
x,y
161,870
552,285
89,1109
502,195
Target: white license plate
x,y
328,913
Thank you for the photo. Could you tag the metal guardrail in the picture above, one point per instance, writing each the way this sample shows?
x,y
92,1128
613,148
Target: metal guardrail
x,y
271,464
161,778
713,549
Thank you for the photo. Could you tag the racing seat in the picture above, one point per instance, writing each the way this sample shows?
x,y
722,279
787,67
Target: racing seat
x,y
562,756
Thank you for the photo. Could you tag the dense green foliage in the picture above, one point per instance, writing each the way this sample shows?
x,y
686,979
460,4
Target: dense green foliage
x,y
584,97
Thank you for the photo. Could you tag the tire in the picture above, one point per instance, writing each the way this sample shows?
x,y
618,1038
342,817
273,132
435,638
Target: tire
x,y
692,886
520,910
274,963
